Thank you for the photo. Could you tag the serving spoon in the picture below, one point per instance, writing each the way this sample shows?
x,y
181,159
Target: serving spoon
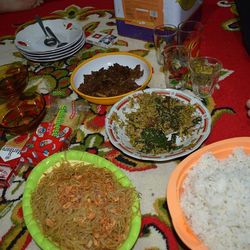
x,y
49,41
59,43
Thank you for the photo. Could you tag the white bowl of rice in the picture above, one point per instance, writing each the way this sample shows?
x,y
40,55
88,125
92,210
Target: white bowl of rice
x,y
208,196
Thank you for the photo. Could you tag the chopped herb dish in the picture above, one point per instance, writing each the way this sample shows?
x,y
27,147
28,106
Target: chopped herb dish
x,y
156,121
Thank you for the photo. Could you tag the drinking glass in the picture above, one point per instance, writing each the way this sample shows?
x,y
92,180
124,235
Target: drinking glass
x,y
13,80
189,35
176,66
204,72
165,35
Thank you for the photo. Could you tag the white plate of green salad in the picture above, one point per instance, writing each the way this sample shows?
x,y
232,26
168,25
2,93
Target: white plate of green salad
x,y
158,124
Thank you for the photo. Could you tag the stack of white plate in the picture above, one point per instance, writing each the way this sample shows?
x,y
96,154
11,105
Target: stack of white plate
x,y
30,40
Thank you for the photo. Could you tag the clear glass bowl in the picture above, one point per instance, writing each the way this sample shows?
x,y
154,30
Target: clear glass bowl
x,y
22,115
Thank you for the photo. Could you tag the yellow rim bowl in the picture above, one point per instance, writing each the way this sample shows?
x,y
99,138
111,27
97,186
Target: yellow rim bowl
x,y
107,59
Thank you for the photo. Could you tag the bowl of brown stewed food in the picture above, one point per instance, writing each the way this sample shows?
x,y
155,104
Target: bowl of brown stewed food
x,y
107,77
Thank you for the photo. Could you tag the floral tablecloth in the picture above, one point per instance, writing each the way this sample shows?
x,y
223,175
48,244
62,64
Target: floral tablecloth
x,y
52,79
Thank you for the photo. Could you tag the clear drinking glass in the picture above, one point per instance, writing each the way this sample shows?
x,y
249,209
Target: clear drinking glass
x,y
204,72
165,35
13,80
189,35
176,66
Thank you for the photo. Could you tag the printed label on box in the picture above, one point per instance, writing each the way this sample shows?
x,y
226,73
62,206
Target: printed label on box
x,y
7,175
4,172
102,39
12,149
143,13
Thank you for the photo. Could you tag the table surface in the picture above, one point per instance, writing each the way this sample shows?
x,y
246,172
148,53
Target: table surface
x,y
221,39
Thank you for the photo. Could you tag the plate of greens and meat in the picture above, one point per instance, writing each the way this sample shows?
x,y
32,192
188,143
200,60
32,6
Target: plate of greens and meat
x,y
158,124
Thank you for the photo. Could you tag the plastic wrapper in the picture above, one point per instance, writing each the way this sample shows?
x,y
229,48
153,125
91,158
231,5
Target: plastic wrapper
x,y
55,132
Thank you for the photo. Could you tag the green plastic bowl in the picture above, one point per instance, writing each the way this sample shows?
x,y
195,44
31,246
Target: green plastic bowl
x,y
51,161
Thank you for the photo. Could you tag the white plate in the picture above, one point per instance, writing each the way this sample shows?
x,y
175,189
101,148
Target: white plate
x,y
60,50
55,55
59,57
117,135
31,38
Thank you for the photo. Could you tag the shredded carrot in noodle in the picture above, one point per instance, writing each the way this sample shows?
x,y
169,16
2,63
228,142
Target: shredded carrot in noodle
x,y
81,206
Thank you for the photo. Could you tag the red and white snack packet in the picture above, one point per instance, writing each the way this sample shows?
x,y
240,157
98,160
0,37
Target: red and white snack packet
x,y
54,136
43,143
10,155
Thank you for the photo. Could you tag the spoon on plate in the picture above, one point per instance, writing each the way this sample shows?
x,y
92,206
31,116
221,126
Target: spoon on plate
x,y
49,41
59,43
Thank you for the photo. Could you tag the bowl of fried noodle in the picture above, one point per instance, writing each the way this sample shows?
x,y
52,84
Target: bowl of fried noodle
x,y
78,200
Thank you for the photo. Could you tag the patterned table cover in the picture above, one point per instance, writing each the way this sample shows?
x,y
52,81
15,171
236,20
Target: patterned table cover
x,y
149,178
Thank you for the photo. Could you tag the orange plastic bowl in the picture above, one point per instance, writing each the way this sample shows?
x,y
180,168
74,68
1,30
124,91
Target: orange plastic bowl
x,y
105,60
220,150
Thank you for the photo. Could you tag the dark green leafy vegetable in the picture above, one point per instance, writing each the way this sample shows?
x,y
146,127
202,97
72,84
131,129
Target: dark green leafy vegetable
x,y
158,116
154,138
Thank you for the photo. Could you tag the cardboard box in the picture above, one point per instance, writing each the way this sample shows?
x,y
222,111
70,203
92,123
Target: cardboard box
x,y
101,39
7,175
137,18
10,155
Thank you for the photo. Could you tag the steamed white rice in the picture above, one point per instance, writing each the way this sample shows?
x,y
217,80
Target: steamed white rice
x,y
216,200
